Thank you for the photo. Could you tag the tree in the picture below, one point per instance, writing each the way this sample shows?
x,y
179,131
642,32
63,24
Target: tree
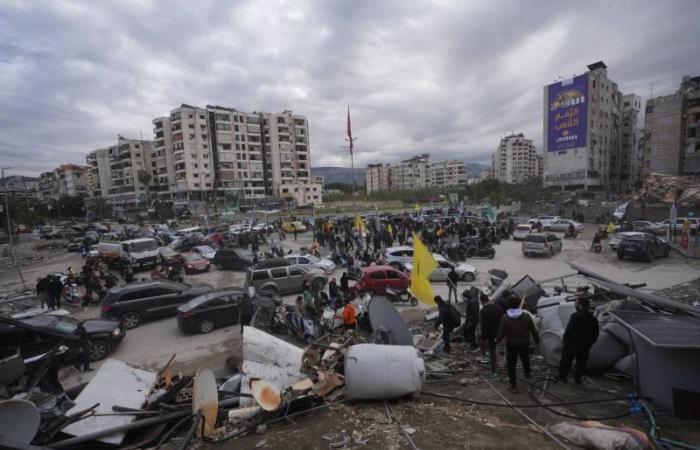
x,y
145,179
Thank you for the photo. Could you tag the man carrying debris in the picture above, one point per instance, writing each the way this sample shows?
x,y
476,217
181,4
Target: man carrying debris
x,y
449,318
580,335
516,327
491,314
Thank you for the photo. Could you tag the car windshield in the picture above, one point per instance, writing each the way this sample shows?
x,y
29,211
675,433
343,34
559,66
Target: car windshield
x,y
191,257
313,259
143,246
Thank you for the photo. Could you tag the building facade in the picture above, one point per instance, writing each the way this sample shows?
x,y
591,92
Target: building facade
x,y
302,194
377,177
67,180
690,87
582,131
624,171
130,174
98,173
515,159
413,173
448,173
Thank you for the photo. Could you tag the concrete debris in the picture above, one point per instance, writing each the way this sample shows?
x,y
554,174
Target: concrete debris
x,y
662,188
597,436
241,414
265,394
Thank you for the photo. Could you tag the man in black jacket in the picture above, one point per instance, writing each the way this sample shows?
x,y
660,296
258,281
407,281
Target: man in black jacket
x,y
580,335
452,280
516,327
491,314
472,321
449,318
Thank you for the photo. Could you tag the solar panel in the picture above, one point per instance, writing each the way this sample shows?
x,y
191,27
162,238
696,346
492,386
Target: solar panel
x,y
662,330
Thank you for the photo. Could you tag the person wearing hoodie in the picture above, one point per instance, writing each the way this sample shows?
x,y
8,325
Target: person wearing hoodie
x,y
449,318
580,335
516,327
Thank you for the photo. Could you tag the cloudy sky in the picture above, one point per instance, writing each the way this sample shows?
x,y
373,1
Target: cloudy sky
x,y
438,76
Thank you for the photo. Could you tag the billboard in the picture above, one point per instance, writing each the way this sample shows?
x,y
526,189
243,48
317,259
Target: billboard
x,y
567,114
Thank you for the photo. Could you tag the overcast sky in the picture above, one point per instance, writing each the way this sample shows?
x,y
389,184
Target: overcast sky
x,y
445,77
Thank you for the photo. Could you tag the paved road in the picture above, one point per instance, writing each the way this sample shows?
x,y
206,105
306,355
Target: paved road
x,y
152,344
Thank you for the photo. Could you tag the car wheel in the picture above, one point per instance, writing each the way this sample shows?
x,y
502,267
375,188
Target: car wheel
x,y
492,255
318,284
130,320
99,350
468,276
206,326
413,301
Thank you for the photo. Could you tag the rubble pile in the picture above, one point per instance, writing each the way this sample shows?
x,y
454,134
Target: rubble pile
x,y
662,188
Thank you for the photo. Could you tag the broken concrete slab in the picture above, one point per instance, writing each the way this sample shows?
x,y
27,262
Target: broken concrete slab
x,y
115,383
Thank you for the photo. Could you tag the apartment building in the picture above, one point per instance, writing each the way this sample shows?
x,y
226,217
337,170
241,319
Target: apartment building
x,y
412,173
67,180
448,173
582,131
671,141
98,178
540,165
302,194
623,171
515,159
377,177
129,168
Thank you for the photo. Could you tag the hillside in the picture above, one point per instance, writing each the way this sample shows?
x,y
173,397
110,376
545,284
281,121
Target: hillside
x,y
344,174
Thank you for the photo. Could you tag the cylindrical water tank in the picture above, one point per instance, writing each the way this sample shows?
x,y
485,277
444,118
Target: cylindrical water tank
x,y
378,372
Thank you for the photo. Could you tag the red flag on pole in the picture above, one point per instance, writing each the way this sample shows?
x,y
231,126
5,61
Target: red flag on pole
x,y
349,131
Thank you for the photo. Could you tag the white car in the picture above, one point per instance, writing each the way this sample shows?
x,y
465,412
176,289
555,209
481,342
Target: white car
x,y
264,227
324,264
521,230
204,251
562,225
239,228
397,257
466,272
544,220
615,239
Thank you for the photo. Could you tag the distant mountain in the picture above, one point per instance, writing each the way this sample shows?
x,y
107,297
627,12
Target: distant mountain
x,y
344,174
14,180
340,174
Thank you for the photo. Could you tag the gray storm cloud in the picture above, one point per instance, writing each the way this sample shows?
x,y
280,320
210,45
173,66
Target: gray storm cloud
x,y
449,78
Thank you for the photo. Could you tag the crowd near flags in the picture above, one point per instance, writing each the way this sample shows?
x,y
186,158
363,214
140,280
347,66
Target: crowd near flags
x,y
423,265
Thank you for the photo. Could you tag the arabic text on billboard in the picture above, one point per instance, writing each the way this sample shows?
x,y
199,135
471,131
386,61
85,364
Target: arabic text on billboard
x,y
567,114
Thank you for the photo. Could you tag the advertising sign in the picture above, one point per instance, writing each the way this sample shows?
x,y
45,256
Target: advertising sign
x,y
567,114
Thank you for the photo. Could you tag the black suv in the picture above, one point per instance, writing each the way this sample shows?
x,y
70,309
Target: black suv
x,y
643,246
233,259
214,309
134,303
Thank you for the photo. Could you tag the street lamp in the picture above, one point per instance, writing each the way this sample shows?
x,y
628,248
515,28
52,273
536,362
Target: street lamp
x,y
9,232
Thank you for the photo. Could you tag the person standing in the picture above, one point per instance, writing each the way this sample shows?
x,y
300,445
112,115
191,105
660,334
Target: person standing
x,y
333,294
472,321
345,284
42,286
490,318
449,318
55,291
580,335
85,347
516,327
452,282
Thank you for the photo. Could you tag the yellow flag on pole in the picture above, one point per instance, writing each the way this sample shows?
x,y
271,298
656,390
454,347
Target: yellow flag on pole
x,y
423,265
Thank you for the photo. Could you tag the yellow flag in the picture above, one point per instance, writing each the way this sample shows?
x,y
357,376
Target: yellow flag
x,y
423,265
359,225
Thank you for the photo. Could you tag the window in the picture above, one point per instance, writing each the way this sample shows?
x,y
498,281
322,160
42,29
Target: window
x,y
217,302
260,275
295,271
649,109
394,275
279,272
378,275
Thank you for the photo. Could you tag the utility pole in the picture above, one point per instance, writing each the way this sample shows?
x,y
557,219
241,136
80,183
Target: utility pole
x,y
351,140
9,233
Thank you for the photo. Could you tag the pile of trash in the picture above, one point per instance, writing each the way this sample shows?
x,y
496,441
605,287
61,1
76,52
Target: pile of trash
x,y
662,188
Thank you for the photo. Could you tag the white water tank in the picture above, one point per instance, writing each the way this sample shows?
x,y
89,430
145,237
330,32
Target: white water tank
x,y
379,372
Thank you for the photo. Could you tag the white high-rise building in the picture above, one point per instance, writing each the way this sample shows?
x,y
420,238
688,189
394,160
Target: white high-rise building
x,y
515,160
377,177
413,173
130,166
448,173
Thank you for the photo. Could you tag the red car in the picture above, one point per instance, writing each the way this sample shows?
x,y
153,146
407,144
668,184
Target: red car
x,y
195,263
377,278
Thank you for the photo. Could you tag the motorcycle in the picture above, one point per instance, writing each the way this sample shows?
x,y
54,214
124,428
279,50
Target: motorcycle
x,y
303,327
596,248
479,248
396,296
570,234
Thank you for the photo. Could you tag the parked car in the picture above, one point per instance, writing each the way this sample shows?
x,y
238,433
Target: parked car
x,y
643,246
194,263
324,264
466,272
615,239
264,227
134,303
541,244
377,278
284,279
646,226
233,259
397,257
544,220
678,226
289,227
209,311
63,233
205,251
43,332
562,225
521,230
74,245
167,253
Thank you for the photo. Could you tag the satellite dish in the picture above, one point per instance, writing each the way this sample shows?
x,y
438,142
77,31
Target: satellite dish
x,y
20,421
387,321
205,400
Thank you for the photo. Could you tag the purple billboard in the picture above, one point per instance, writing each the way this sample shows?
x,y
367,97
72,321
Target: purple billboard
x,y
567,114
